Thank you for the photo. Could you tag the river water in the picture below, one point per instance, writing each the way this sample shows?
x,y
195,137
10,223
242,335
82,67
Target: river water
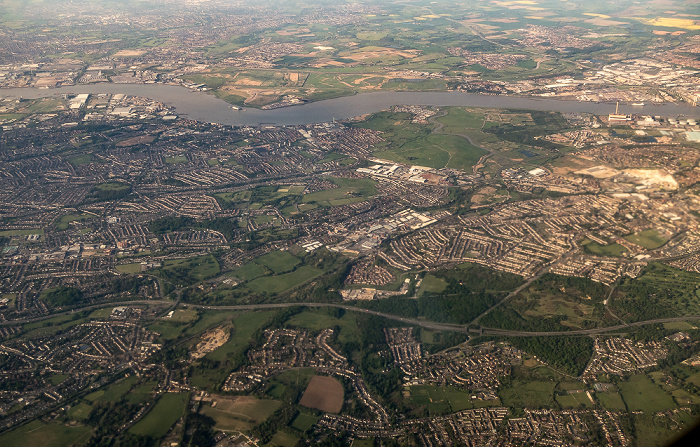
x,y
208,108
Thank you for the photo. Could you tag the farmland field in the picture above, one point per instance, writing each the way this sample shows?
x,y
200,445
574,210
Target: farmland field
x,y
641,394
157,422
323,393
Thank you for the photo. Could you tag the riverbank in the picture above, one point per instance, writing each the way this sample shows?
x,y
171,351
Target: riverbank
x,y
205,107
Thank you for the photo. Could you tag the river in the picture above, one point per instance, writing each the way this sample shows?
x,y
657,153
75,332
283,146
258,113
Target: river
x,y
208,108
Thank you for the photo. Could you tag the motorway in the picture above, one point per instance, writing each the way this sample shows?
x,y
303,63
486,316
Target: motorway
x,y
481,330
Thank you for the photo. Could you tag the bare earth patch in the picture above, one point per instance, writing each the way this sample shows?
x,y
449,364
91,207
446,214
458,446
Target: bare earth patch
x,y
210,341
323,393
130,53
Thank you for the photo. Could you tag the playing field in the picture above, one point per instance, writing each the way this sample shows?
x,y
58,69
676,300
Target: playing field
x,y
649,239
239,413
323,393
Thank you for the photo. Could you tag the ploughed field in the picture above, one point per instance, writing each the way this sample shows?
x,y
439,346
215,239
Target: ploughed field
x,y
323,393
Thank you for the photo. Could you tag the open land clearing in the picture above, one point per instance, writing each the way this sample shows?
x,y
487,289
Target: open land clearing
x,y
47,435
239,412
323,393
210,341
157,422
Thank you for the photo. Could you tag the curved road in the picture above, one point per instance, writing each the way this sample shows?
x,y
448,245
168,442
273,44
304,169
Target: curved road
x,y
414,321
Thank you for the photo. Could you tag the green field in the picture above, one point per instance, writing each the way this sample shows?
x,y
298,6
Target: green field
x,y
189,270
653,430
297,378
240,413
177,159
208,319
679,326
63,222
101,314
278,261
440,399
641,394
694,379
281,283
80,411
435,151
649,239
263,219
113,392
282,439
431,283
183,316
112,187
55,379
611,401
134,267
157,422
167,329
12,116
349,190
595,248
276,391
331,156
52,322
82,159
142,393
414,144
575,400
304,422
37,433
458,120
249,271
528,394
